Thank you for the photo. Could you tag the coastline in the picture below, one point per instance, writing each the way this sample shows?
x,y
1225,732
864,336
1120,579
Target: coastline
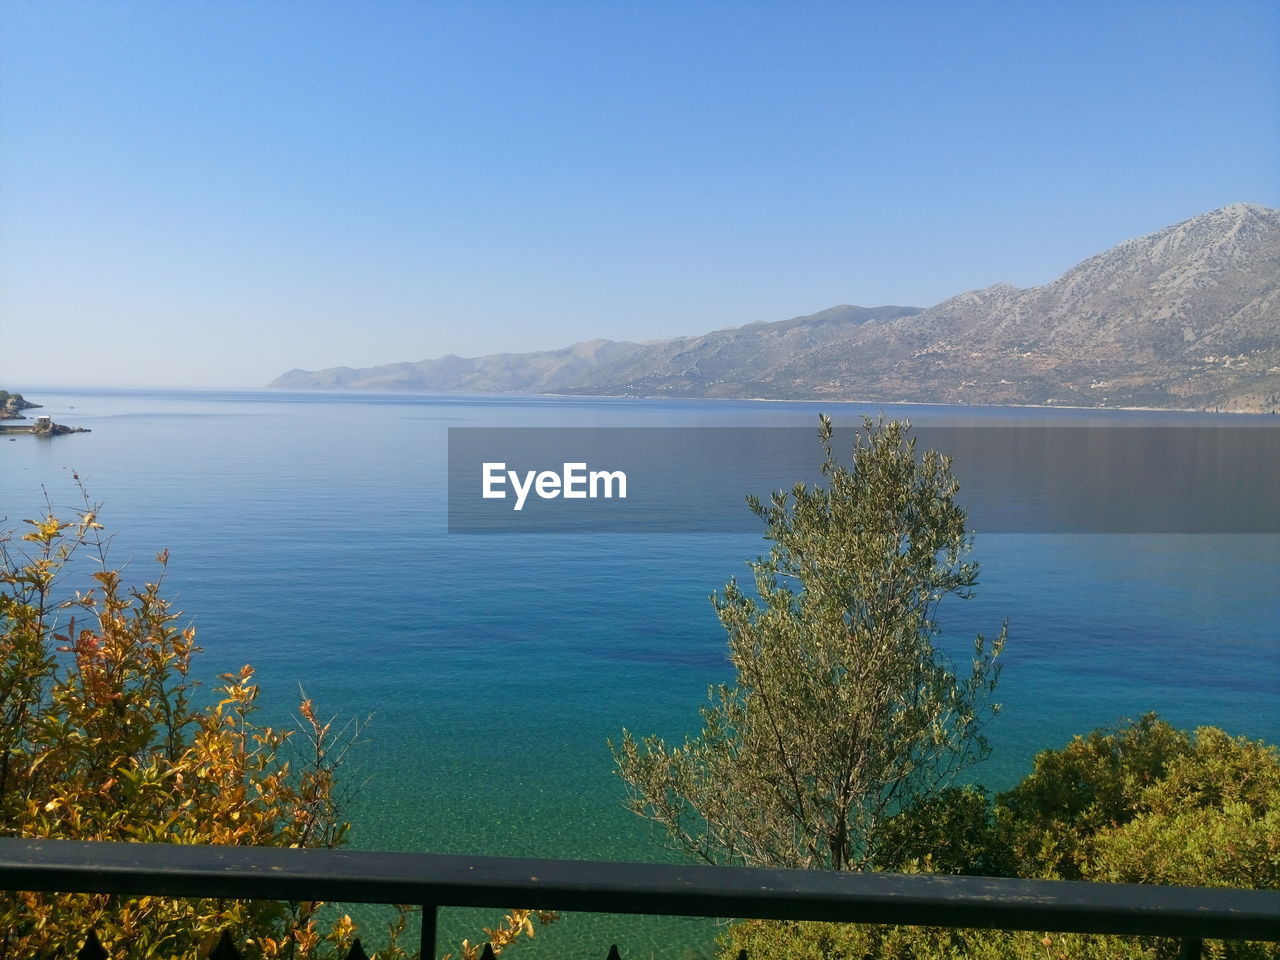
x,y
861,401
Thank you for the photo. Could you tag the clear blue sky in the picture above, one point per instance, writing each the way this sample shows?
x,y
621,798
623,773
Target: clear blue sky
x,y
208,194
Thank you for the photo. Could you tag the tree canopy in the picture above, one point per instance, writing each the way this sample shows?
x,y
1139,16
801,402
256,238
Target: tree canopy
x,y
843,709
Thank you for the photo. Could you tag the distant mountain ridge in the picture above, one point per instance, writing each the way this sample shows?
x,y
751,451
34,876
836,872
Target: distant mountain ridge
x,y
1187,317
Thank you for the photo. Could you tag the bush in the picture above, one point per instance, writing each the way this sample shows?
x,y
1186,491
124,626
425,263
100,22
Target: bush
x,y
949,832
1142,803
1212,820
1093,782
776,940
100,740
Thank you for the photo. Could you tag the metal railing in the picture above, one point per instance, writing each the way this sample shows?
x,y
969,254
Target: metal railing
x,y
1190,914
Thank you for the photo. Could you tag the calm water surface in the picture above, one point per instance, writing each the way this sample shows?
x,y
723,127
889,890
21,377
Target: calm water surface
x,y
307,535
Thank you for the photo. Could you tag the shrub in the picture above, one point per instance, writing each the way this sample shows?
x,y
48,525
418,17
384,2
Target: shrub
x,y
1093,782
1141,803
100,739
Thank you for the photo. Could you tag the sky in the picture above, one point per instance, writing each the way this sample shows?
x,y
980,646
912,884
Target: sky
x,y
210,194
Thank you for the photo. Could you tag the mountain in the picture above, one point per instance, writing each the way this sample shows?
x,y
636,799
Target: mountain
x,y
541,372
1187,317
721,363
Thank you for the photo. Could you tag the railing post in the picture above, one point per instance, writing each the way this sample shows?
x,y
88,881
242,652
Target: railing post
x,y
1191,948
428,931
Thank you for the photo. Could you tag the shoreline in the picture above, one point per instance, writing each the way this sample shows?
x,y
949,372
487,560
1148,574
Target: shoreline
x,y
341,391
901,403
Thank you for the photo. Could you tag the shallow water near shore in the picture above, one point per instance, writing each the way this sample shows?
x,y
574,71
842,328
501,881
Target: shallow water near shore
x,y
308,536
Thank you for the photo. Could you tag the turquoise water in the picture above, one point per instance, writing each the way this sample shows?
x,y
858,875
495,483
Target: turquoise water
x,y
307,535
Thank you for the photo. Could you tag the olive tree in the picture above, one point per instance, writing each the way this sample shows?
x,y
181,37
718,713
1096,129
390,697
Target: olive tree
x,y
843,709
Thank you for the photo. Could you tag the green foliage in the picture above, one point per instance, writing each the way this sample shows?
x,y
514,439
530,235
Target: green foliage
x,y
1093,782
1142,803
843,711
1212,820
951,831
776,940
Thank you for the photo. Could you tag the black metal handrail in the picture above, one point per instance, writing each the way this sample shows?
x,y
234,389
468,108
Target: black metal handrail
x,y
1192,914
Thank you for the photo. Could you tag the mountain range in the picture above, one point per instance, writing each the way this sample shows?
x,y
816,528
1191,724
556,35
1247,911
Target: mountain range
x,y
1184,318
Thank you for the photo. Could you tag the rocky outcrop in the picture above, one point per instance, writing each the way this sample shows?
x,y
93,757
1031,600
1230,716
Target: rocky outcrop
x,y
12,405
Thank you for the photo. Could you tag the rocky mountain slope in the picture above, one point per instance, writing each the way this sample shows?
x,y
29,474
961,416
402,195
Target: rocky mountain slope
x,y
1187,317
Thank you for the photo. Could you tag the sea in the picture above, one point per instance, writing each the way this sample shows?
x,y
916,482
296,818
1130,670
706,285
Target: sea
x,y
308,535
